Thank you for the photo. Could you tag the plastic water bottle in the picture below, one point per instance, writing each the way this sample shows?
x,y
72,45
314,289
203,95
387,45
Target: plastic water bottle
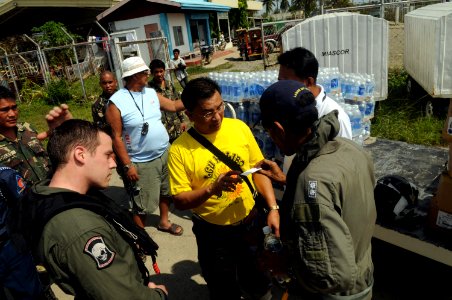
x,y
269,146
356,120
228,112
271,242
370,107
361,91
241,112
362,108
334,78
259,137
370,86
258,87
254,113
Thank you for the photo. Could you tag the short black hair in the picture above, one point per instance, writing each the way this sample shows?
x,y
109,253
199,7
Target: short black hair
x,y
301,61
156,64
5,93
176,50
291,104
198,89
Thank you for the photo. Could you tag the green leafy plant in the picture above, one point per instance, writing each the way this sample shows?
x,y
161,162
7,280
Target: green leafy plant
x,y
397,79
31,92
58,92
51,34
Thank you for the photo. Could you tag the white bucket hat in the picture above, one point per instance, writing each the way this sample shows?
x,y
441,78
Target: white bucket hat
x,y
133,65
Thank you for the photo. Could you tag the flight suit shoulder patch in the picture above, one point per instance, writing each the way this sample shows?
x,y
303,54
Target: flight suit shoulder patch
x,y
312,189
99,251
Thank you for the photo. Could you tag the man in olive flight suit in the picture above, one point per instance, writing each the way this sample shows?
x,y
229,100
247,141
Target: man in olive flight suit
x,y
90,247
328,210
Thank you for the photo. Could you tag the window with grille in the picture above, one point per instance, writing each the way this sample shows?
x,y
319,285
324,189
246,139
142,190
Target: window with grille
x,y
178,36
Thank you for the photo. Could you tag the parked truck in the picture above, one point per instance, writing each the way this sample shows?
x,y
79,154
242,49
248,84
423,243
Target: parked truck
x,y
428,55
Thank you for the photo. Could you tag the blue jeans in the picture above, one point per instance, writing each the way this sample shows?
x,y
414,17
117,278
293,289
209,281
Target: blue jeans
x,y
18,272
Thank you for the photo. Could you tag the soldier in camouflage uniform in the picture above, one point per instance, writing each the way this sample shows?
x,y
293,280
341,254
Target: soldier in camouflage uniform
x,y
20,148
109,85
174,123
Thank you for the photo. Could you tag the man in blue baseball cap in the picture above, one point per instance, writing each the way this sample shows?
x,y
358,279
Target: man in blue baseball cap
x,y
328,210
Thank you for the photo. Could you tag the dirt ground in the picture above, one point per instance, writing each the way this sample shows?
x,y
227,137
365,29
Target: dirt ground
x,y
396,45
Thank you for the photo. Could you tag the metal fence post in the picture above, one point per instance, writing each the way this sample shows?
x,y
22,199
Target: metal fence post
x,y
109,46
264,56
76,61
41,61
12,74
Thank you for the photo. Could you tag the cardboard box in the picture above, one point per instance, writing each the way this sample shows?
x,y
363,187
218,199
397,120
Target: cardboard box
x,y
440,213
447,130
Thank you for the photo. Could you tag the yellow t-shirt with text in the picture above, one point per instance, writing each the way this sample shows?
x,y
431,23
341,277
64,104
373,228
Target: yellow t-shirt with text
x,y
191,167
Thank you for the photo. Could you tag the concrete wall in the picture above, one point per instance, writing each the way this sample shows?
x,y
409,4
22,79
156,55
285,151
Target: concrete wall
x,y
138,25
179,20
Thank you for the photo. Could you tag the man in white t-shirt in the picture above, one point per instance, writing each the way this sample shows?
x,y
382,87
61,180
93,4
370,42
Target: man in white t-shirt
x,y
179,67
301,65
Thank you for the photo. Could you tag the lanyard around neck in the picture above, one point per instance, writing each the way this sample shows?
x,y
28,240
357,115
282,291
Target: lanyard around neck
x,y
142,107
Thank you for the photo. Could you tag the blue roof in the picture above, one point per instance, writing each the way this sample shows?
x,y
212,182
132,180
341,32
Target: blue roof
x,y
201,5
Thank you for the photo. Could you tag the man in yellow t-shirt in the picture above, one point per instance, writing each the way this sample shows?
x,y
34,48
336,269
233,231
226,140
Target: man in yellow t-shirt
x,y
221,202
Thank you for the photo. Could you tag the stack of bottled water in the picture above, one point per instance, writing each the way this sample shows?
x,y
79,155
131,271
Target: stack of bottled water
x,y
243,91
354,92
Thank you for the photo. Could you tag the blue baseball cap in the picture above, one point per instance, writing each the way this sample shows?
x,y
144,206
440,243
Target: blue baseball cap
x,y
290,103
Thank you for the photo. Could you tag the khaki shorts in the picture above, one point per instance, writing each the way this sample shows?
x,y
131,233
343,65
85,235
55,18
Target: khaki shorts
x,y
153,184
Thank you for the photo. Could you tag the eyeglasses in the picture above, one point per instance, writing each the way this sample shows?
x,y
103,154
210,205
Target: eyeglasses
x,y
210,114
8,108
146,72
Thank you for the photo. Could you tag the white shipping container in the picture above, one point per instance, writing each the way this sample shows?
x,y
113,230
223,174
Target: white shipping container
x,y
428,48
352,42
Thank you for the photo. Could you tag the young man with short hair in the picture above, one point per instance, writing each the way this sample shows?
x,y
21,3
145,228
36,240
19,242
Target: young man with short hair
x,y
90,247
174,122
179,67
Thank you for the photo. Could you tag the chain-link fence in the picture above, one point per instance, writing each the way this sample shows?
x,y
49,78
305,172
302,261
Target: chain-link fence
x,y
70,62
148,49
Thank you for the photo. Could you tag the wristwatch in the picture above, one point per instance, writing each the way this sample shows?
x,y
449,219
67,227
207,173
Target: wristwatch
x,y
273,207
127,167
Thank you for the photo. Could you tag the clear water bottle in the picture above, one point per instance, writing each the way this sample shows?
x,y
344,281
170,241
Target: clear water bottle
x,y
254,113
335,84
361,91
370,86
259,138
370,107
356,121
241,112
271,242
228,112
269,146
